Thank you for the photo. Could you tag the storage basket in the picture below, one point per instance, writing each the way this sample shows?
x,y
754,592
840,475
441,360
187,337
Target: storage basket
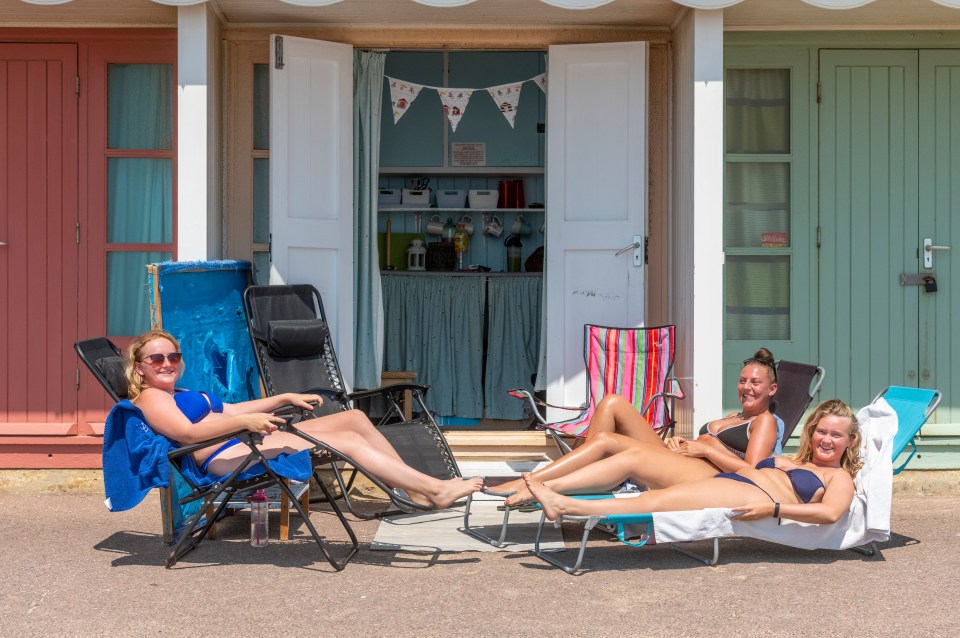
x,y
483,199
451,199
412,197
388,197
441,256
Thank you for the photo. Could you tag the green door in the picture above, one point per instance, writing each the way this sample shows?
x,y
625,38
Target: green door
x,y
889,144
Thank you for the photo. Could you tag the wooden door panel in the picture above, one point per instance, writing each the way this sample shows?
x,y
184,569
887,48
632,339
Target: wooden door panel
x,y
38,217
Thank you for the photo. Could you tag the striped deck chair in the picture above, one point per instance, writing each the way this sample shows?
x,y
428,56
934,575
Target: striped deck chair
x,y
636,363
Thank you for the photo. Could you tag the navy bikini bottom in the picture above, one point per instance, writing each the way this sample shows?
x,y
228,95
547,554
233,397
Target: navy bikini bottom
x,y
743,479
217,452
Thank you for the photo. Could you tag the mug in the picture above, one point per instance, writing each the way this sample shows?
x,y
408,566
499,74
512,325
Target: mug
x,y
435,225
520,226
493,226
467,222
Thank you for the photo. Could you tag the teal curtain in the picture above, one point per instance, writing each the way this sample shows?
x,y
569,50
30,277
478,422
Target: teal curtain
x,y
513,342
139,189
434,327
367,93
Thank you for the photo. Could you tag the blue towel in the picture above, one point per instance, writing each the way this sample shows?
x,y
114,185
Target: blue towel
x,y
135,460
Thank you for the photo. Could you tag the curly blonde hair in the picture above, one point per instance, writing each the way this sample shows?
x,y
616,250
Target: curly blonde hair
x,y
134,378
850,461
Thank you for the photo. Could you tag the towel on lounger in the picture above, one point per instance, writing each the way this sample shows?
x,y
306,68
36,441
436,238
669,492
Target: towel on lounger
x,y
867,520
135,460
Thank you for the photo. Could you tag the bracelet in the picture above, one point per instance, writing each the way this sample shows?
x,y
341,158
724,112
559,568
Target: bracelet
x,y
776,510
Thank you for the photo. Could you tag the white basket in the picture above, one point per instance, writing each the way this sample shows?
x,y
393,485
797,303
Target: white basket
x,y
388,197
483,199
451,199
412,197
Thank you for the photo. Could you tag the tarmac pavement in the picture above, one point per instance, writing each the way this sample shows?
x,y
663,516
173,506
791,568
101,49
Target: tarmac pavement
x,y
71,568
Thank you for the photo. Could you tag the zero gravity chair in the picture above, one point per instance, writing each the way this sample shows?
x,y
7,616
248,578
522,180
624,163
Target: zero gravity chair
x,y
294,350
137,459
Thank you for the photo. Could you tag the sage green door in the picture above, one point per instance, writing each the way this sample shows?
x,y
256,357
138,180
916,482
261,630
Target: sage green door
x,y
889,155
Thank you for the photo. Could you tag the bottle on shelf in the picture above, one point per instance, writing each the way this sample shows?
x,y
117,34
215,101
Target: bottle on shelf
x,y
461,243
449,230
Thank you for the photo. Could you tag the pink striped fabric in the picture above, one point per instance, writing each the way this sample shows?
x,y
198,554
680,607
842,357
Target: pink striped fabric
x,y
632,362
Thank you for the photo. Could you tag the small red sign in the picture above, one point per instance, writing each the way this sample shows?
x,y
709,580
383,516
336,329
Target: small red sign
x,y
773,240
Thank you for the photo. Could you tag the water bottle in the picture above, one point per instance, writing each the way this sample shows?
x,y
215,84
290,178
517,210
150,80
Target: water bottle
x,y
461,243
259,516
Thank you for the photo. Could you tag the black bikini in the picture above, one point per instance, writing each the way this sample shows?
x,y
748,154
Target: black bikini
x,y
735,438
805,483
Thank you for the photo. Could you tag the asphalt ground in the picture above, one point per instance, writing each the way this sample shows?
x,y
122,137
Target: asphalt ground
x,y
71,568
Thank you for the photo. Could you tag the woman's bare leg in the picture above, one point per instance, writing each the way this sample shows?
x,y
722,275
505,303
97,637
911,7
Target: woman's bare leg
x,y
349,421
600,447
712,492
423,489
616,414
651,465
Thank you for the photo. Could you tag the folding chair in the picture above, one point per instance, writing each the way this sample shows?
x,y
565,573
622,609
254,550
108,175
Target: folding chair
x,y
105,361
913,406
636,363
294,351
794,392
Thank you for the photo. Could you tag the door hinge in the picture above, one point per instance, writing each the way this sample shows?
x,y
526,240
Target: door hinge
x,y
278,52
77,85
78,233
270,247
78,378
819,95
819,236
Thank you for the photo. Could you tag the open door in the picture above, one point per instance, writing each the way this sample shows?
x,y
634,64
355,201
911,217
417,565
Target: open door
x,y
311,177
596,202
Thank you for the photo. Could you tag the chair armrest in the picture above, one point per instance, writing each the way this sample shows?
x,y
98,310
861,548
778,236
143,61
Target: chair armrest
x,y
387,389
526,395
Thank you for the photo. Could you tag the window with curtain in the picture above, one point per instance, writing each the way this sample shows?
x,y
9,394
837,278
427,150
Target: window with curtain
x,y
139,188
757,215
261,174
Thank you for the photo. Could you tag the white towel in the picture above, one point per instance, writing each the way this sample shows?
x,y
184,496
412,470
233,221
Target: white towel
x,y
867,520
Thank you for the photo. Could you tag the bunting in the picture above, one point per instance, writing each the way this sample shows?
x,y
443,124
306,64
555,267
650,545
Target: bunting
x,y
455,100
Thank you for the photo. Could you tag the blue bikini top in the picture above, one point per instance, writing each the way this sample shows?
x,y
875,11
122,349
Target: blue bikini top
x,y
196,405
805,483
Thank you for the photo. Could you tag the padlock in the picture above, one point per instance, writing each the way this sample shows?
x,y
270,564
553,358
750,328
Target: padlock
x,y
930,283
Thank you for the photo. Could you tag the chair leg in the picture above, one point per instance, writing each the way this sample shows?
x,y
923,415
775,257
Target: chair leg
x,y
284,515
213,528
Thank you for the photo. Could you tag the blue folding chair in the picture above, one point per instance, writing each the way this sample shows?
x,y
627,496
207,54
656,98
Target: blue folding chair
x,y
913,407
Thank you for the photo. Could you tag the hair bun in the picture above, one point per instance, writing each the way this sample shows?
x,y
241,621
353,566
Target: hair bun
x,y
764,356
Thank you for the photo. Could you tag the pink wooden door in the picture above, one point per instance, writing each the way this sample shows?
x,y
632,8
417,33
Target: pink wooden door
x,y
39,268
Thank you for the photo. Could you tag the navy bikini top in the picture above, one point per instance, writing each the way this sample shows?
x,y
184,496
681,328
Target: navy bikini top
x,y
196,405
805,483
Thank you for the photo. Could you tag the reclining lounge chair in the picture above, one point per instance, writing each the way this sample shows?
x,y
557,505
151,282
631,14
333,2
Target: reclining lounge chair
x,y
294,350
866,523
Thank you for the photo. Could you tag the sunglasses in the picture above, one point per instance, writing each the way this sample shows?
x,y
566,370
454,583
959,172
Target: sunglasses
x,y
156,360
751,360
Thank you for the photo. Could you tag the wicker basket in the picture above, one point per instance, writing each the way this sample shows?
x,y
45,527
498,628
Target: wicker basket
x,y
441,256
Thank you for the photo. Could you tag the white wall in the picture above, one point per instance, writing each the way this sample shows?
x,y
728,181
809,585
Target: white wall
x,y
697,256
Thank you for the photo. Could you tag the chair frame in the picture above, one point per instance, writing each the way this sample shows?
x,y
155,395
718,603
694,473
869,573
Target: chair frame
x,y
817,376
934,401
396,396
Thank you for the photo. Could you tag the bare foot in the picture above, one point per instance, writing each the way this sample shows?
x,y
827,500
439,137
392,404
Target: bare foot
x,y
551,503
453,490
511,486
521,496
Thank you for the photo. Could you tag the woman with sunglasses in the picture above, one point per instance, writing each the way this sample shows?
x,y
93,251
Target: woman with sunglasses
x,y
738,440
153,366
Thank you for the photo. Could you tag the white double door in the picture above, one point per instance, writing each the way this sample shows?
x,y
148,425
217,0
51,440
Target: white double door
x,y
596,192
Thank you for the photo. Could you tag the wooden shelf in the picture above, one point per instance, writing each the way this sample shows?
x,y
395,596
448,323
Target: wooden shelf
x,y
462,170
417,209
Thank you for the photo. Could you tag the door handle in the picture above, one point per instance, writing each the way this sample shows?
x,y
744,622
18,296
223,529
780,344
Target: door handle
x,y
3,243
928,249
636,247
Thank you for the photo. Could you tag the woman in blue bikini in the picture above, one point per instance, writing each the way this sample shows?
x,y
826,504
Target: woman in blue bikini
x,y
815,486
738,440
153,366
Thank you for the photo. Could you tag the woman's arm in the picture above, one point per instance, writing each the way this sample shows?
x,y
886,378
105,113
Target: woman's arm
x,y
837,496
711,449
763,439
269,404
166,419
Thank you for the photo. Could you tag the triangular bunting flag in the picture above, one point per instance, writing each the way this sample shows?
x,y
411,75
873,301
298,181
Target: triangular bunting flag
x,y
507,97
454,104
402,95
541,81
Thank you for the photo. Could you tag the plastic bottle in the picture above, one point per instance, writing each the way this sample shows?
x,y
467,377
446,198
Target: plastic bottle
x,y
259,517
461,243
446,236
513,253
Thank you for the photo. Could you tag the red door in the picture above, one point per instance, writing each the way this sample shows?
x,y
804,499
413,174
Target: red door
x,y
39,253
